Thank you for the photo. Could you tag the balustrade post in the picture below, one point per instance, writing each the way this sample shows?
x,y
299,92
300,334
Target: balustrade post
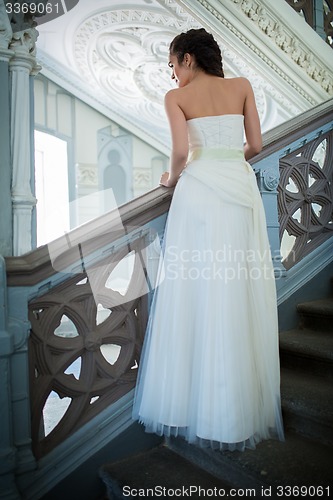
x,y
268,181
7,449
19,327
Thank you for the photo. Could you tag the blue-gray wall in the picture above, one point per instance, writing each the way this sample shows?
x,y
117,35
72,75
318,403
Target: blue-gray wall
x,y
5,164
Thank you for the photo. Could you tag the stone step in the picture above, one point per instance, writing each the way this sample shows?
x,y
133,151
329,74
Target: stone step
x,y
307,350
182,468
316,315
297,461
155,473
307,404
303,460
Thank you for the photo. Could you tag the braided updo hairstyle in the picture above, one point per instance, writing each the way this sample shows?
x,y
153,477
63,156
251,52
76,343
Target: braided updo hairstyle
x,y
203,46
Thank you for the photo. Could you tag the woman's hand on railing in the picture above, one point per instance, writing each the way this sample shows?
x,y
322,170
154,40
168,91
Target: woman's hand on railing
x,y
166,180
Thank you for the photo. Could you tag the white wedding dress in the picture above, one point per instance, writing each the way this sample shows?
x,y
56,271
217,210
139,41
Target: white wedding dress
x,y
209,368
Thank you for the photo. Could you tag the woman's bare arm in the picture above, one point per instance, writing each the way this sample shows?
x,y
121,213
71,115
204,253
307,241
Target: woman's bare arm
x,y
179,139
253,143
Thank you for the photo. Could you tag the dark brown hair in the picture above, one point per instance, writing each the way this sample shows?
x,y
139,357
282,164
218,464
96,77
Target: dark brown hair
x,y
203,46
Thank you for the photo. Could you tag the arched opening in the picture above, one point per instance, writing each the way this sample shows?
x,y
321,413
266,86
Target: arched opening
x,y
115,178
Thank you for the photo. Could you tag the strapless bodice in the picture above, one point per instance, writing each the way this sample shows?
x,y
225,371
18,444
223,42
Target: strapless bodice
x,y
220,131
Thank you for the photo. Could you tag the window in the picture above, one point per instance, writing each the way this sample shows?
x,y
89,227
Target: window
x,y
51,181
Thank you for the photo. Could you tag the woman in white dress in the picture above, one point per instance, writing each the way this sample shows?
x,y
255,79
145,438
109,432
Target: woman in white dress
x,y
209,369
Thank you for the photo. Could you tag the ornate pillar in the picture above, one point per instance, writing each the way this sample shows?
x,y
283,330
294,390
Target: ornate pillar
x,y
22,67
22,64
7,449
17,63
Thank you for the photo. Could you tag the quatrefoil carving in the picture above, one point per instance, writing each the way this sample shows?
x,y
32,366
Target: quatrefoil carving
x,y
305,198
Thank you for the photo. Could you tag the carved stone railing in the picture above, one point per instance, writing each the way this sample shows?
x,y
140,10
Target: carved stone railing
x,y
305,198
85,345
87,319
296,165
319,15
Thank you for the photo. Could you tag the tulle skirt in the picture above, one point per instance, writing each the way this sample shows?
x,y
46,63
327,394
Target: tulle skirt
x,y
209,369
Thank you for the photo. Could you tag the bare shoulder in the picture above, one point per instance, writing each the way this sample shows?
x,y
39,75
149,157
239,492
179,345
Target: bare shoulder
x,y
170,95
171,100
173,95
241,82
175,98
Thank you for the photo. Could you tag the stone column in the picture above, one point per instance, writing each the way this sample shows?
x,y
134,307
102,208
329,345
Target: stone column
x,y
22,68
7,449
21,65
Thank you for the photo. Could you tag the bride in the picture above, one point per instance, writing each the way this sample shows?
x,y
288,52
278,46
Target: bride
x,y
209,369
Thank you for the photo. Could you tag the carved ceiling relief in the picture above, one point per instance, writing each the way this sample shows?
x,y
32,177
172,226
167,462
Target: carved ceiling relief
x,y
126,54
122,66
129,63
119,59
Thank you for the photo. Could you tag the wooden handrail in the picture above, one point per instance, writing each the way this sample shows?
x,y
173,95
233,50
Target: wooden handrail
x,y
35,266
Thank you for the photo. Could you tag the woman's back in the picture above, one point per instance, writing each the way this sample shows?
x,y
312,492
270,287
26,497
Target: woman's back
x,y
210,96
216,131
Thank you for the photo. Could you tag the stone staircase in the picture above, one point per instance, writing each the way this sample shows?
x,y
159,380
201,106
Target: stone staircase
x,y
307,372
304,459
